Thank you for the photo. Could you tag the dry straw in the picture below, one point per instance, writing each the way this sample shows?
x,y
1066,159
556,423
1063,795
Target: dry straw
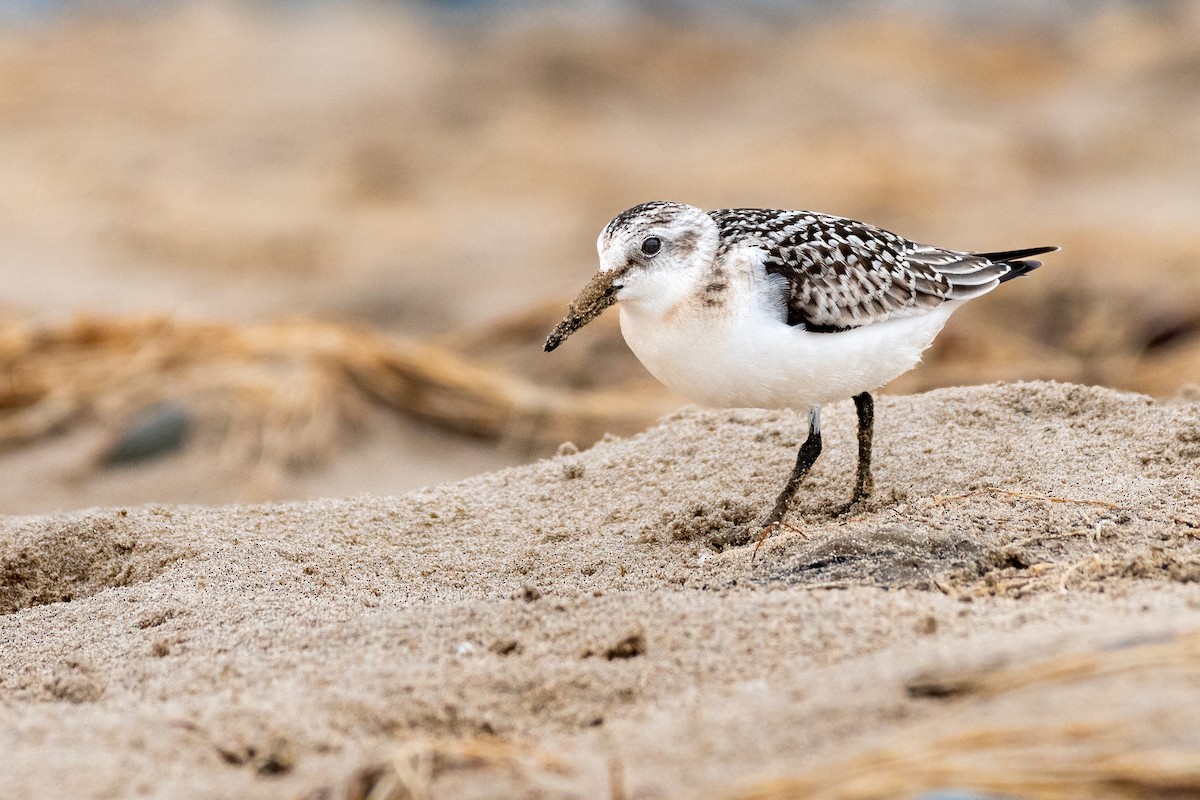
x,y
284,393
1068,759
414,767
1068,762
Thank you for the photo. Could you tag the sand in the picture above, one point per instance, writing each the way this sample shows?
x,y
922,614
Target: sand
x,y
1015,611
1019,601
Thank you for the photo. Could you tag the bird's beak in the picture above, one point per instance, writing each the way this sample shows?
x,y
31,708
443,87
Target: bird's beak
x,y
599,294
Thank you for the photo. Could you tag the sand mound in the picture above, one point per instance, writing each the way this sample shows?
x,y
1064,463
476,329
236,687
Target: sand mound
x,y
60,560
1014,611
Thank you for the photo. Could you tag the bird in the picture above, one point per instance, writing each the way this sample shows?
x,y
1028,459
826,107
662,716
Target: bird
x,y
777,309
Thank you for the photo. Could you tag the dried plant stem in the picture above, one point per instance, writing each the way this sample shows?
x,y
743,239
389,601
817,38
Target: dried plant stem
x,y
283,393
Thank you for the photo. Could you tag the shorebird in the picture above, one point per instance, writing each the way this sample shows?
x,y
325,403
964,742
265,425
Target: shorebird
x,y
761,308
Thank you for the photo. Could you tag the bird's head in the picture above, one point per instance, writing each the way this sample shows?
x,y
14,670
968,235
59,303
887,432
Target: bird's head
x,y
650,256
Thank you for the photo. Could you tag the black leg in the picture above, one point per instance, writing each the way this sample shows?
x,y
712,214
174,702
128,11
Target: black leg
x,y
863,485
804,461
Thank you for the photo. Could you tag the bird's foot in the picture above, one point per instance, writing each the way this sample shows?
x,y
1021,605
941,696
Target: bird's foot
x,y
858,499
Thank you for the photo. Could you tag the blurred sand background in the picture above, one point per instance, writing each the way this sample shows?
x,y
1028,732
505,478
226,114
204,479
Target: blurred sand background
x,y
442,176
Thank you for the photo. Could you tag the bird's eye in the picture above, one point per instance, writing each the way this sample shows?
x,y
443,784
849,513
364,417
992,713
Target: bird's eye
x,y
651,245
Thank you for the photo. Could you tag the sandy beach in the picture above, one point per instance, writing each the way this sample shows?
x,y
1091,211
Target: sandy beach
x,y
1021,598
378,545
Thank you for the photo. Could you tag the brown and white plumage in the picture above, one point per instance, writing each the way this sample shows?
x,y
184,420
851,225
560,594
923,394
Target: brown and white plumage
x,y
844,274
748,307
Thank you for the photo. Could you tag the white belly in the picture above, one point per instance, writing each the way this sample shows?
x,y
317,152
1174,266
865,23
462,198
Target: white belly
x,y
747,360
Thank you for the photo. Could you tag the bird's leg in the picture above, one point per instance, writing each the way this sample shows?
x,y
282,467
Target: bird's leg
x,y
804,461
864,483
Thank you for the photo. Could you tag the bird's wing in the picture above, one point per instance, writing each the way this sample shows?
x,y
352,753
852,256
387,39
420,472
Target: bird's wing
x,y
844,274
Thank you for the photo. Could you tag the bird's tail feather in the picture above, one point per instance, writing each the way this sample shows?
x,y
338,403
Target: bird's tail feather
x,y
1018,260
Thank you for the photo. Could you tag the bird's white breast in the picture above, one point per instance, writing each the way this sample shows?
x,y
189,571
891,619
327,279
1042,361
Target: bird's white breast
x,y
742,353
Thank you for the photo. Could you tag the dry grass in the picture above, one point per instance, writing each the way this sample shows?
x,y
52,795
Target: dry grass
x,y
1062,759
1180,654
284,394
413,769
1067,762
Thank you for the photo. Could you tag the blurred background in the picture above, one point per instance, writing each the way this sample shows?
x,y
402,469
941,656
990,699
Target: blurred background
x,y
256,251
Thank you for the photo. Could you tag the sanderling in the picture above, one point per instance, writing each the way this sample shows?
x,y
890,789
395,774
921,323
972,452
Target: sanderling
x,y
760,308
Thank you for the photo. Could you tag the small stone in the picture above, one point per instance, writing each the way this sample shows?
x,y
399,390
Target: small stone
x,y
149,432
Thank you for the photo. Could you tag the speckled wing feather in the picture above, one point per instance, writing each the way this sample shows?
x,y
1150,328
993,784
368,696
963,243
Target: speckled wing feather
x,y
845,274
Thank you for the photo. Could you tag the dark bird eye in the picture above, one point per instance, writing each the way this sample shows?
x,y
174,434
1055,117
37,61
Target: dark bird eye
x,y
651,245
